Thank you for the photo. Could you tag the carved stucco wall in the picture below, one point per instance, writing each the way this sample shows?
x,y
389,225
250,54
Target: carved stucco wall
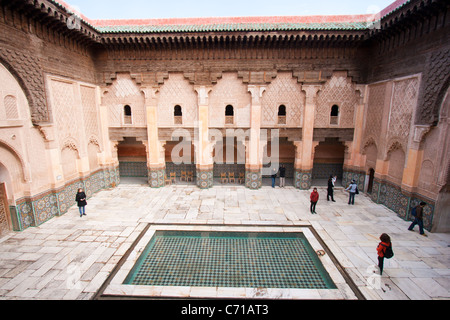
x,y
391,104
20,142
283,90
404,102
229,90
374,115
341,91
124,91
177,91
76,120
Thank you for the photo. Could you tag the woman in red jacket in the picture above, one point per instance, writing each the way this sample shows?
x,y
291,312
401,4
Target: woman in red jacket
x,y
381,249
314,198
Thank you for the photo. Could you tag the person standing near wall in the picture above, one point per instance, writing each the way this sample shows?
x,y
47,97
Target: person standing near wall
x,y
330,189
80,198
282,176
353,190
274,176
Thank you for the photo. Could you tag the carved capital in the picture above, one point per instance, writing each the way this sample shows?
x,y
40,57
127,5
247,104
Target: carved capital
x,y
256,92
203,94
420,131
149,93
311,92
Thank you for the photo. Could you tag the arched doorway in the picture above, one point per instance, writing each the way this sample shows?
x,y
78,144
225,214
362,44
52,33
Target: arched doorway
x,y
328,160
180,162
132,161
285,158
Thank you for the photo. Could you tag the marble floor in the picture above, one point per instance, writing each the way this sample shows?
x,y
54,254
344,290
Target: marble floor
x,y
75,258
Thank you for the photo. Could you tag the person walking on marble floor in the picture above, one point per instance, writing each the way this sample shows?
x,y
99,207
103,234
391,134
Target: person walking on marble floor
x,y
80,198
418,219
314,199
381,249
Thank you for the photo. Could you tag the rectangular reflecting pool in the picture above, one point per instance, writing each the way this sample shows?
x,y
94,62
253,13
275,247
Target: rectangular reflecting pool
x,y
229,259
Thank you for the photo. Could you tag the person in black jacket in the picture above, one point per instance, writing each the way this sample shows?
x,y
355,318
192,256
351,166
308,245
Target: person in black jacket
x,y
282,176
81,201
330,189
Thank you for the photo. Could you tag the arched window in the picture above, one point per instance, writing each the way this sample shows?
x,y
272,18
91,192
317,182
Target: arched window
x,y
282,114
334,118
178,115
229,115
127,116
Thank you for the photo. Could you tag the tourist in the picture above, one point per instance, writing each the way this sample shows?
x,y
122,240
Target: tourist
x,y
81,200
353,189
381,249
282,176
330,189
418,219
274,176
314,199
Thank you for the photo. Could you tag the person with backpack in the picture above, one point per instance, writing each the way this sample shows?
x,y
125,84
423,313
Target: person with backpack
x,y
417,213
384,250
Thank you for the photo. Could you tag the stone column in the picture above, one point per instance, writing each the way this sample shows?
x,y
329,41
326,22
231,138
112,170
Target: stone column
x,y
155,163
204,158
354,162
108,158
254,150
305,149
414,158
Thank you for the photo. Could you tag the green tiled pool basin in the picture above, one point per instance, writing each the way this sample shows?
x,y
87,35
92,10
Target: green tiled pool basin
x,y
230,259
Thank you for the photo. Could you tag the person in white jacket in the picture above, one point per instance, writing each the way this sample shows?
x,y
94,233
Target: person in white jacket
x,y
353,189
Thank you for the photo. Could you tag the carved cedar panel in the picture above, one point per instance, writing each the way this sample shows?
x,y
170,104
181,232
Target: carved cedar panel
x,y
284,90
28,69
229,91
177,91
339,90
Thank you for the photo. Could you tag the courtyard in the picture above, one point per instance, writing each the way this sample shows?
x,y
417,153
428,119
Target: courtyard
x,y
73,258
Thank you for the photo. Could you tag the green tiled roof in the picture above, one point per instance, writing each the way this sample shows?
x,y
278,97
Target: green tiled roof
x,y
233,27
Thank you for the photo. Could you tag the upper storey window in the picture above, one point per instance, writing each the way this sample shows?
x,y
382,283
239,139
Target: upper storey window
x,y
229,115
334,117
282,114
178,115
127,115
